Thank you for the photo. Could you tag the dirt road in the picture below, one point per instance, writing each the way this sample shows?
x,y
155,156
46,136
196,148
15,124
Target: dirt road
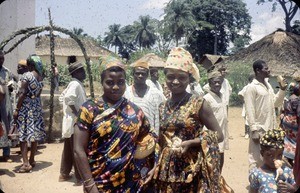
x,y
44,177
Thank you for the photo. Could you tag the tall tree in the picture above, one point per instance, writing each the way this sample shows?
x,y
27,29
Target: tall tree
x,y
290,9
113,37
227,19
79,32
179,18
145,37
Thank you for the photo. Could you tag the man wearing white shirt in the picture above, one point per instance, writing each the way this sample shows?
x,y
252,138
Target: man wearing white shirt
x,y
144,96
72,98
153,81
260,103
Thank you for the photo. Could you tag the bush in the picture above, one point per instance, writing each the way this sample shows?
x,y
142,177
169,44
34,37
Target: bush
x,y
238,78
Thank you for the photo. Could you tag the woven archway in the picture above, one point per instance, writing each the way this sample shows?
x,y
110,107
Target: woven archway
x,y
27,32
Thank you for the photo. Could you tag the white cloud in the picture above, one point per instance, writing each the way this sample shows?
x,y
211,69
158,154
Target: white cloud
x,y
265,24
155,4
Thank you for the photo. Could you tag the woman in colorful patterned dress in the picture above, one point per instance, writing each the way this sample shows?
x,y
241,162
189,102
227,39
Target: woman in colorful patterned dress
x,y
289,123
107,134
28,115
188,156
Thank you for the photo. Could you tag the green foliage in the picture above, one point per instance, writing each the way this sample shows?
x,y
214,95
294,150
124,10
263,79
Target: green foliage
x,y
114,37
230,20
145,36
238,78
64,76
179,19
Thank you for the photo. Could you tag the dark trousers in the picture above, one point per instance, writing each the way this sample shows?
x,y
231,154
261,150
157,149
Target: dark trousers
x,y
67,159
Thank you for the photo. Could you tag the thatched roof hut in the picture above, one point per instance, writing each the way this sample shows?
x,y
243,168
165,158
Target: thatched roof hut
x,y
209,60
65,47
152,59
280,50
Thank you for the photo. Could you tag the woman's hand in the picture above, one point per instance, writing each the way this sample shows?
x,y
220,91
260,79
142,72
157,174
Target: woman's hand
x,y
284,187
149,176
185,145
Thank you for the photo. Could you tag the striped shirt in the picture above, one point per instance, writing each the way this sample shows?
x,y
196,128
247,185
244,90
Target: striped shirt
x,y
149,103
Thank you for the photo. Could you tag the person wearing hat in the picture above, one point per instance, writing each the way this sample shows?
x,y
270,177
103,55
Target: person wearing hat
x,y
72,98
218,105
113,141
188,159
260,102
272,175
194,87
28,115
144,96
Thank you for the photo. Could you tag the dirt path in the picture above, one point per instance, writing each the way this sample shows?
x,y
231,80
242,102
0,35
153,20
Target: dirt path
x,y
44,177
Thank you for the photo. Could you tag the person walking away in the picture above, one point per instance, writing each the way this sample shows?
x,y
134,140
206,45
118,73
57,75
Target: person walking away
x,y
28,115
72,98
218,105
271,176
144,96
260,103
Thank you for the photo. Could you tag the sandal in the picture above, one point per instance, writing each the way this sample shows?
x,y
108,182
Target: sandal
x,y
25,169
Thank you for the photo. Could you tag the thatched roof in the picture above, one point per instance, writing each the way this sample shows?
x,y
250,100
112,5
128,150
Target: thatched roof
x,y
209,60
280,50
152,59
68,46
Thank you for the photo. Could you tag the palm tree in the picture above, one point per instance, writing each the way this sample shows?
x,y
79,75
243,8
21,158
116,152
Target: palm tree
x,y
145,37
114,36
179,18
79,32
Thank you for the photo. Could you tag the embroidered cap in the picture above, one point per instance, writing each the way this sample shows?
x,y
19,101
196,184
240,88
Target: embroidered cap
x,y
22,62
213,74
110,61
273,138
141,64
180,59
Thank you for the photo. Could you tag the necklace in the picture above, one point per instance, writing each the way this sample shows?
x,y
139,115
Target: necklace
x,y
178,104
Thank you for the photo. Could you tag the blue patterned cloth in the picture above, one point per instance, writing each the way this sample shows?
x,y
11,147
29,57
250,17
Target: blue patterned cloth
x,y
265,182
30,118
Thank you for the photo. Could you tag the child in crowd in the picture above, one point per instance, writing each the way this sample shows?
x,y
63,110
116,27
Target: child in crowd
x,y
262,180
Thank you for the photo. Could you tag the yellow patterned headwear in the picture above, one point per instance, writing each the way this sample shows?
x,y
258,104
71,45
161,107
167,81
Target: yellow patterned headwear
x,y
110,61
273,138
180,59
141,64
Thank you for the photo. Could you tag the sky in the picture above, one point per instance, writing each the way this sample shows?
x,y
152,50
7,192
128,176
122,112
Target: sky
x,y
94,16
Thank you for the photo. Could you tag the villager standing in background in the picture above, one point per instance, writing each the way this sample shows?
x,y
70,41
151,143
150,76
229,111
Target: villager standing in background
x,y
144,96
5,108
218,105
28,115
260,103
72,98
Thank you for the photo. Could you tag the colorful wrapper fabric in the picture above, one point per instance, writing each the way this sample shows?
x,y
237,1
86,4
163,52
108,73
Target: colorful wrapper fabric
x,y
273,138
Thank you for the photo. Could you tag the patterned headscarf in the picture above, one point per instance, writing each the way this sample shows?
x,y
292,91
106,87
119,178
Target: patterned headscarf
x,y
273,138
110,61
38,65
141,64
180,59
213,74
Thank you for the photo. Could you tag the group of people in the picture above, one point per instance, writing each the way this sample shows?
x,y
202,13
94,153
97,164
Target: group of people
x,y
135,139
21,109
